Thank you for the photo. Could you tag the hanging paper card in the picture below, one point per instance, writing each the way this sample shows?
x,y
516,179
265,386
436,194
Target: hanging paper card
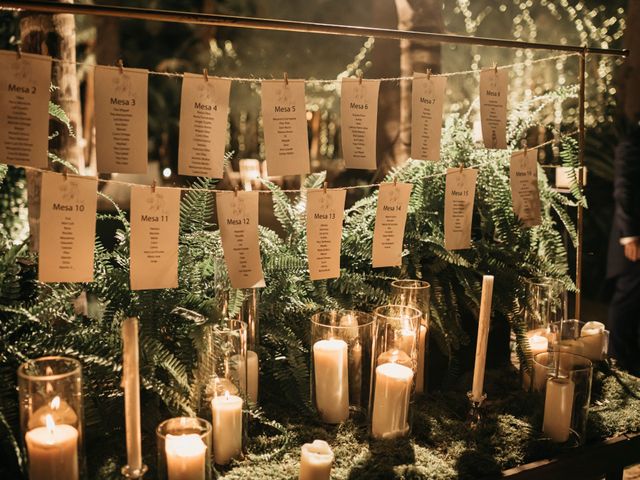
x,y
359,111
238,220
67,228
391,216
204,111
460,190
427,102
285,127
325,211
121,119
524,187
24,104
493,107
155,220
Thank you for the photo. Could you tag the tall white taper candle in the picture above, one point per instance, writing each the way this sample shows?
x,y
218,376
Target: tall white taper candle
x,y
483,336
131,383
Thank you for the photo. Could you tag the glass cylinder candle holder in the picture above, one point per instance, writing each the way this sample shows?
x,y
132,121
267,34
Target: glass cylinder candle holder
x,y
341,349
545,302
249,315
416,294
184,449
566,381
51,417
395,357
227,389
590,339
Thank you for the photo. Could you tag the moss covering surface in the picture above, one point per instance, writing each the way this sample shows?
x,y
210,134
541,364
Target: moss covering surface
x,y
442,444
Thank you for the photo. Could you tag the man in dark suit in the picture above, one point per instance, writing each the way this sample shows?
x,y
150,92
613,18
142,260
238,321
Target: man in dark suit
x,y
624,252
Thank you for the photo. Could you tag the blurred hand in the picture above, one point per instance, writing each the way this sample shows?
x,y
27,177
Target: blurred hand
x,y
632,250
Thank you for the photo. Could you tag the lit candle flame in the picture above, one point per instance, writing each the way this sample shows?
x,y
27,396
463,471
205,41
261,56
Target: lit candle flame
x,y
226,394
55,403
51,424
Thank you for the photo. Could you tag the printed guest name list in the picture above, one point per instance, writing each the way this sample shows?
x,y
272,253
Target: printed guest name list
x,y
204,110
359,116
155,221
493,108
460,191
285,127
24,114
121,119
67,228
325,212
238,222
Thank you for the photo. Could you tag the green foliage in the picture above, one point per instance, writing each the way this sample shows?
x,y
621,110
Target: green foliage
x,y
37,319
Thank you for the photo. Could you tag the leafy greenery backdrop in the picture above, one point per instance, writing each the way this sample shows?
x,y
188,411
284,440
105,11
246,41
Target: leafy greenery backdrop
x,y
38,319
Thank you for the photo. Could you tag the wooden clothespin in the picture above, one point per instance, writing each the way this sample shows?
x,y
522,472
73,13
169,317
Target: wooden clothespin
x,y
359,78
19,51
205,72
495,68
524,146
428,74
286,79
153,186
235,191
121,65
64,174
395,181
324,187
461,168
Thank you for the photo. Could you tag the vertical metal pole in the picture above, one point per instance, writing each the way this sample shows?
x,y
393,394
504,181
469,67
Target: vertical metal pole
x,y
580,219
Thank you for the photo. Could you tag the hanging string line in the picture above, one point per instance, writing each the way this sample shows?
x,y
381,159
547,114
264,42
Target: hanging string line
x,y
336,80
349,187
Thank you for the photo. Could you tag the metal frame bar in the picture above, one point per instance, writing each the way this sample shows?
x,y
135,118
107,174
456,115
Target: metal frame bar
x,y
345,30
289,26
580,210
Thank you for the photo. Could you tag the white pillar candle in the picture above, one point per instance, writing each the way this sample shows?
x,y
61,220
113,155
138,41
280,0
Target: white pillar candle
x,y
53,451
185,457
330,364
227,427
537,344
252,376
131,382
558,405
390,417
245,374
483,336
593,340
316,460
422,349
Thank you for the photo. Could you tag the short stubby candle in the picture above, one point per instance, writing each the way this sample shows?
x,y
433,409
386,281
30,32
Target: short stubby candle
x,y
226,416
391,400
316,460
53,451
185,457
593,340
330,364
